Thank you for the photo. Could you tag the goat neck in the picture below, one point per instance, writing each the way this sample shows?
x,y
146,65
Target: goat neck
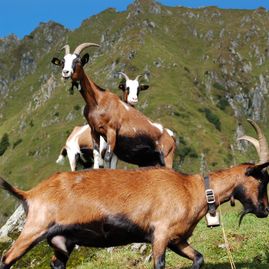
x,y
90,92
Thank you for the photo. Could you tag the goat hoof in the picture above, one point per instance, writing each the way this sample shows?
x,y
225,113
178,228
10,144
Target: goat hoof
x,y
3,266
57,265
106,164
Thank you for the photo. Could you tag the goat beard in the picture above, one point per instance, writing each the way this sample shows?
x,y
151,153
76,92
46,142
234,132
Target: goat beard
x,y
243,214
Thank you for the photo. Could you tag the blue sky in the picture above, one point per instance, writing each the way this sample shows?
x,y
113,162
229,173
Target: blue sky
x,y
21,17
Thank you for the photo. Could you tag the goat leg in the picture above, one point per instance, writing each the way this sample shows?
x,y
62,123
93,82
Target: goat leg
x,y
28,238
62,250
3,266
159,245
111,141
185,250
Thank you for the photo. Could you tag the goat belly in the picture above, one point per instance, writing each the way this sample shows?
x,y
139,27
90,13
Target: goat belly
x,y
140,150
114,231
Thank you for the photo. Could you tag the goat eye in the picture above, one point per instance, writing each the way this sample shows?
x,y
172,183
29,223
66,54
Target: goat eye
x,y
128,89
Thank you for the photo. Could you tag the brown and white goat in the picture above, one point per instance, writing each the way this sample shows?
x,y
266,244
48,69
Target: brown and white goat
x,y
128,133
130,92
131,89
80,150
79,145
104,208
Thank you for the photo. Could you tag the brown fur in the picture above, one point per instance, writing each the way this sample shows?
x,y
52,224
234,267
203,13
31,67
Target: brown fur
x,y
161,204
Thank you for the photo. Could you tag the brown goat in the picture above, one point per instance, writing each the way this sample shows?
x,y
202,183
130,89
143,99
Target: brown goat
x,y
129,134
104,208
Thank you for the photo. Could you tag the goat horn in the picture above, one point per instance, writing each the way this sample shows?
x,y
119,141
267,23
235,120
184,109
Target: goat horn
x,y
264,152
138,77
83,46
66,48
125,76
252,140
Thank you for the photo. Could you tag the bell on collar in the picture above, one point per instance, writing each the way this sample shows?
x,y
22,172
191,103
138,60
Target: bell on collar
x,y
212,220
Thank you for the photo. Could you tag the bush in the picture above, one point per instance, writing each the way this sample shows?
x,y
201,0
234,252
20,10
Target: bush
x,y
4,144
77,107
212,118
219,86
222,103
183,151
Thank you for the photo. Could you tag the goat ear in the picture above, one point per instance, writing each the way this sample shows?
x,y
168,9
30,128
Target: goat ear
x,y
256,171
143,87
56,61
85,59
122,86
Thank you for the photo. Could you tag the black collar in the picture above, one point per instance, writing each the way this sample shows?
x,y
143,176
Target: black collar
x,y
210,197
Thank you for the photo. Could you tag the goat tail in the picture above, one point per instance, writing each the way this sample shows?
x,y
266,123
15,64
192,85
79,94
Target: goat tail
x,y
62,155
60,159
19,194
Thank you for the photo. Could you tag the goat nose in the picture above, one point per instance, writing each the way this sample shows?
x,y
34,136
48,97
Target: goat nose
x,y
66,73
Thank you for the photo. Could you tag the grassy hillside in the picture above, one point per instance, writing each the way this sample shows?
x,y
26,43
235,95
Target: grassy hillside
x,y
207,71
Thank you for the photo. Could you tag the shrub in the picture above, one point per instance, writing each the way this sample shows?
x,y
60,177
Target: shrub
x,y
212,118
4,144
223,103
77,107
183,151
219,86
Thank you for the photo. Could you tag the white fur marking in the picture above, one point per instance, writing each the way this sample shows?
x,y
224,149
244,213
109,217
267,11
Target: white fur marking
x,y
60,159
59,241
96,159
170,132
133,90
157,125
68,63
